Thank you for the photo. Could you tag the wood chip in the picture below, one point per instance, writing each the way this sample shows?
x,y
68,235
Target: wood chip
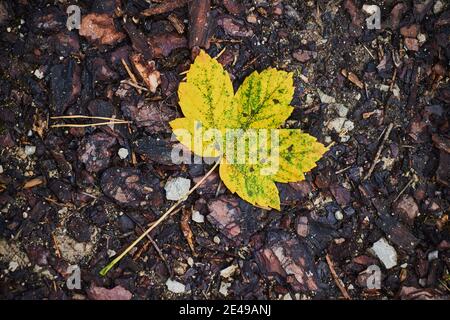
x,y
353,78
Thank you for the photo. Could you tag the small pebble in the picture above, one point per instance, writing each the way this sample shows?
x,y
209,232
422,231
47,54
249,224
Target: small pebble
x,y
111,253
177,188
1,169
433,255
385,252
324,98
224,288
13,266
228,271
25,215
123,153
30,150
175,286
341,110
339,215
197,217
38,74
216,239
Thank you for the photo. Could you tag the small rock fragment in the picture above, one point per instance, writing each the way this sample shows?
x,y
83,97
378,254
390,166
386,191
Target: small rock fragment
x,y
339,215
224,286
228,271
177,188
197,217
433,255
123,153
324,98
30,150
175,286
385,252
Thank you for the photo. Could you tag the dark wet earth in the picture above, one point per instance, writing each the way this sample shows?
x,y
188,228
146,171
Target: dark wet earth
x,y
77,196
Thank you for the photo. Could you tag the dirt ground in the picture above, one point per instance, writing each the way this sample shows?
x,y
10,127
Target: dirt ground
x,y
375,208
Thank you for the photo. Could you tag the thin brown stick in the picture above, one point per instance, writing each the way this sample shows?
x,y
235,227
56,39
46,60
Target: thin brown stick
x,y
134,85
130,74
105,270
380,148
336,278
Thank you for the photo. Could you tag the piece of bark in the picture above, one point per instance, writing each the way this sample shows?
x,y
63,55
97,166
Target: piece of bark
x,y
233,7
95,151
138,40
199,24
290,259
127,186
164,44
398,233
99,29
442,173
186,229
166,6
234,27
65,84
176,23
116,293
147,71
155,150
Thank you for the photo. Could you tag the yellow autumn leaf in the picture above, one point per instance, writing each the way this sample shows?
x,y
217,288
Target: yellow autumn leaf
x,y
243,129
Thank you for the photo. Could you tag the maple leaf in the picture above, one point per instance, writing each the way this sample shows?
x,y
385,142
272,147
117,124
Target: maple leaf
x,y
254,116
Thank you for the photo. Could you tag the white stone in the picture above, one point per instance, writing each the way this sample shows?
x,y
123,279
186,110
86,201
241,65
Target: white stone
x,y
111,253
422,38
224,288
324,98
433,255
13,265
349,125
30,150
336,124
175,286
341,110
123,153
228,271
38,74
338,215
1,169
385,252
438,7
287,297
216,240
177,188
190,261
197,217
